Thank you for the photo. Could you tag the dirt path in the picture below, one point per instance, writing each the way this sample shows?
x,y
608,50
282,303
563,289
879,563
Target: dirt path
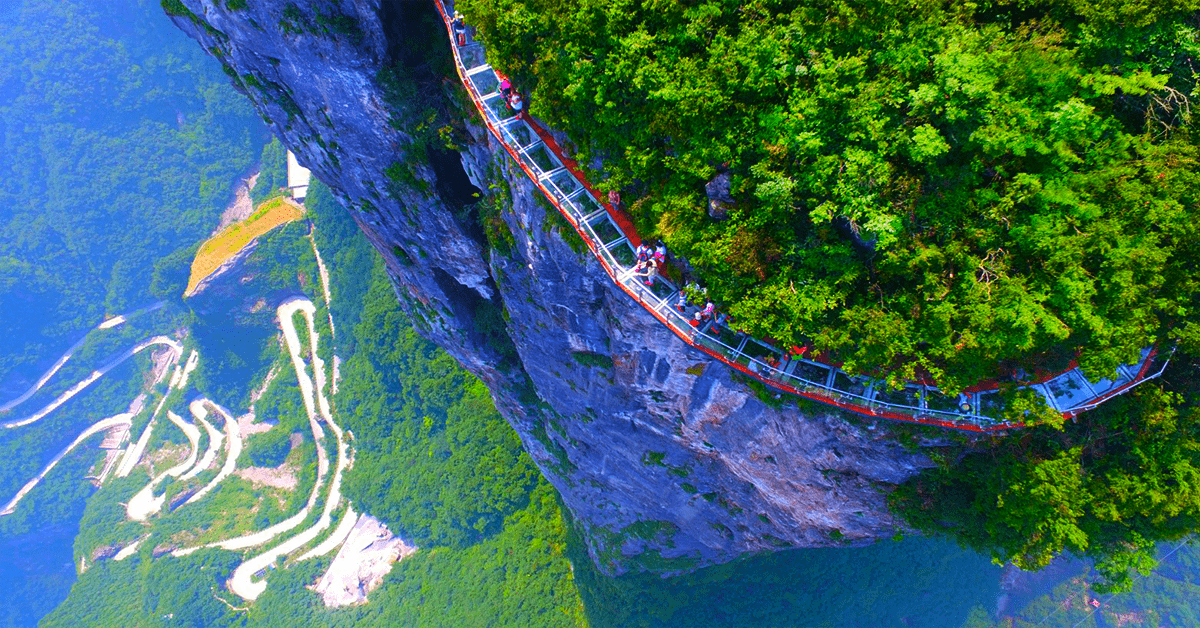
x,y
128,550
349,518
124,419
241,207
134,453
324,282
215,440
285,314
91,379
193,435
144,503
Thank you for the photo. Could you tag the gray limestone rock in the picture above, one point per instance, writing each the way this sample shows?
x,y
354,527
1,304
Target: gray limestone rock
x,y
719,196
664,457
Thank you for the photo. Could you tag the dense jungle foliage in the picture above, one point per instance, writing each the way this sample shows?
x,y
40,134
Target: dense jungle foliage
x,y
930,187
120,142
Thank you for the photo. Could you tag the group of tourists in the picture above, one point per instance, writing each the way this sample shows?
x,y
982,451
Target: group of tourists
x,y
512,98
649,260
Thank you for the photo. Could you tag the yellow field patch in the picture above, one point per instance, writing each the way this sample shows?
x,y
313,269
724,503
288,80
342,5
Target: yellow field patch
x,y
219,248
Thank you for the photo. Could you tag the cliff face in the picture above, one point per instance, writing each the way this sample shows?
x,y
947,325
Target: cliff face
x,y
665,459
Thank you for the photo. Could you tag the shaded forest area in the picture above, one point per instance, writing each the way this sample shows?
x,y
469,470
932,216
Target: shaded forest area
x,y
119,143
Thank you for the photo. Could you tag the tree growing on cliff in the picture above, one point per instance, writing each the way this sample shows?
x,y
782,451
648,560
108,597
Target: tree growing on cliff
x,y
939,190
953,189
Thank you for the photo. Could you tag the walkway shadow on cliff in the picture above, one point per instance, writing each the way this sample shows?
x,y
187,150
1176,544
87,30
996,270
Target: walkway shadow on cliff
x,y
915,582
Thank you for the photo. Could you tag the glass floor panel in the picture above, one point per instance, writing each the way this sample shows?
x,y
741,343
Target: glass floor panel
x,y
1069,389
566,183
541,157
935,400
605,230
623,254
909,396
519,134
499,108
812,372
854,386
485,82
587,204
472,56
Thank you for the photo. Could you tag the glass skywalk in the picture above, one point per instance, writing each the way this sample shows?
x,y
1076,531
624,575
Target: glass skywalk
x,y
537,153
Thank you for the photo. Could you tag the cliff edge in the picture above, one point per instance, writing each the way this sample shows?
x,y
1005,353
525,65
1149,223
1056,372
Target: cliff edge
x,y
666,460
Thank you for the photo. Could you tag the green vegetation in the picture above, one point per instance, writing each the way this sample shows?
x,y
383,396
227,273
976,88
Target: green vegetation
x,y
595,360
1109,486
951,190
272,172
935,188
121,142
1168,598
464,469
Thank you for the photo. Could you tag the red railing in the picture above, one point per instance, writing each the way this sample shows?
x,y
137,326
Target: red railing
x,y
581,205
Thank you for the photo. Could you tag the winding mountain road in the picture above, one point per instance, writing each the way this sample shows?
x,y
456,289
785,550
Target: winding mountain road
x,y
125,419
115,321
144,503
233,435
91,379
316,404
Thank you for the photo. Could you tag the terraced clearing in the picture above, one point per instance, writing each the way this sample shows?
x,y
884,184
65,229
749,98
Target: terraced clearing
x,y
220,248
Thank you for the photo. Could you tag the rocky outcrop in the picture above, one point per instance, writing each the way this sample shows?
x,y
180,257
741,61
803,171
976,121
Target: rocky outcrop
x,y
720,199
365,558
666,460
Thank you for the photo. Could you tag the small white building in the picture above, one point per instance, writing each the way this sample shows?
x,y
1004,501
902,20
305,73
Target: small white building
x,y
297,178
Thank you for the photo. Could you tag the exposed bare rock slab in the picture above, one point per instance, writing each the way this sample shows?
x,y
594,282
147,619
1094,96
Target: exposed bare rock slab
x,y
365,558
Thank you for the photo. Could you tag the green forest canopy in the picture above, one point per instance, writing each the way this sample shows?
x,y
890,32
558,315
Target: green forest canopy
x,y
920,187
119,144
945,188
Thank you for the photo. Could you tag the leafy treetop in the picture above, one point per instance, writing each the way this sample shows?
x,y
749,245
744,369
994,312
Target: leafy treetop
x,y
922,188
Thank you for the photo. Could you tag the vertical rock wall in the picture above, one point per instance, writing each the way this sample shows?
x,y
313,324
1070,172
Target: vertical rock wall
x,y
666,461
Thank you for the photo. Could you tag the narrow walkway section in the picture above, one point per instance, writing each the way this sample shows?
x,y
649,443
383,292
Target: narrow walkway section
x,y
612,240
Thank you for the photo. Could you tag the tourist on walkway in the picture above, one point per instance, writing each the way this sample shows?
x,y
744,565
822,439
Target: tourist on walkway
x,y
642,254
651,272
505,89
460,29
516,104
707,312
681,301
660,254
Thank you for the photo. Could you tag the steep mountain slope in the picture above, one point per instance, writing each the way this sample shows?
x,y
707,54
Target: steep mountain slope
x,y
667,461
